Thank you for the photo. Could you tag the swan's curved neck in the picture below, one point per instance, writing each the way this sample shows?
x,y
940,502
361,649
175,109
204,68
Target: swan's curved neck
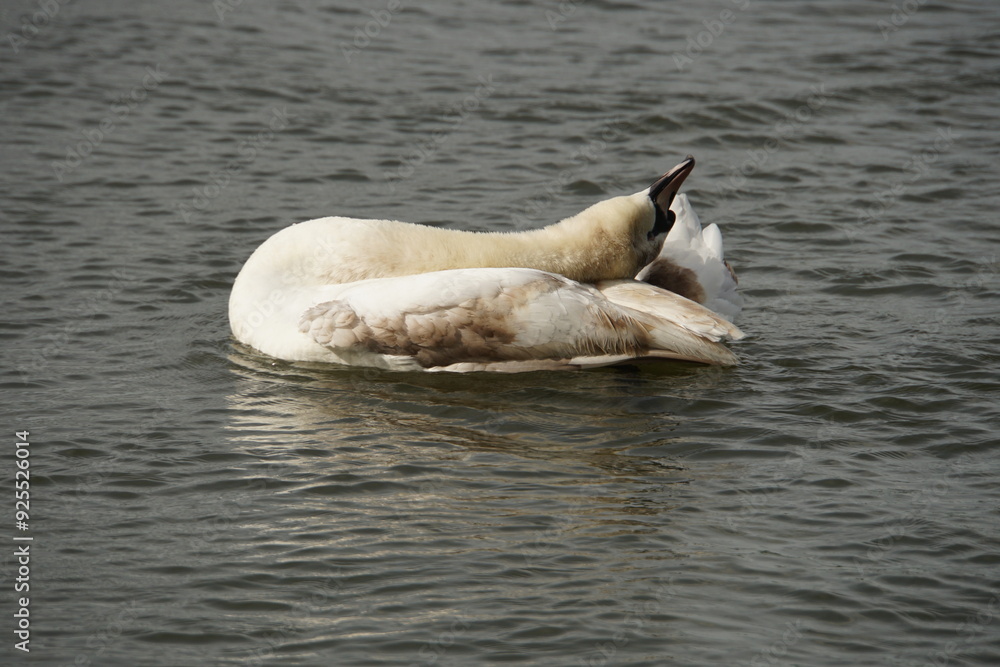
x,y
597,244
557,249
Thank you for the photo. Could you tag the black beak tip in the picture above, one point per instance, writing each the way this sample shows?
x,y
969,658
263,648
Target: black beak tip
x,y
663,191
672,180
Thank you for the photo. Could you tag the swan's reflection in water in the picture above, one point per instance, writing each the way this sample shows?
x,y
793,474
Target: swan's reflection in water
x,y
578,434
561,418
433,484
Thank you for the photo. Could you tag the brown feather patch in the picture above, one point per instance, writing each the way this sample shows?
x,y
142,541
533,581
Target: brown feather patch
x,y
674,278
477,330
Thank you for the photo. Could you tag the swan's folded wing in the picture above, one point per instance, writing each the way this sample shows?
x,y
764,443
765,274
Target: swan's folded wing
x,y
675,323
490,319
670,307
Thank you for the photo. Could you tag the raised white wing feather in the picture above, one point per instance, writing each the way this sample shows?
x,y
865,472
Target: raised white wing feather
x,y
691,263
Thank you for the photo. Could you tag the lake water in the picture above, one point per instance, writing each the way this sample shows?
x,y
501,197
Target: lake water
x,y
831,501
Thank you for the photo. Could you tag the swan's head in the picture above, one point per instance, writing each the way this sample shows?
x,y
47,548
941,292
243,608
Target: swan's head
x,y
628,232
662,193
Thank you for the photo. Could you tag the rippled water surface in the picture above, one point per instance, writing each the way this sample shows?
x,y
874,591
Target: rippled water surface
x,y
831,501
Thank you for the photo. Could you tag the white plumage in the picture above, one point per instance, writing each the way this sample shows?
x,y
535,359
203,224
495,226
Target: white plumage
x,y
700,250
408,297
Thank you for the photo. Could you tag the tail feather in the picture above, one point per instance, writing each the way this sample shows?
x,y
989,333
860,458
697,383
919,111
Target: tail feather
x,y
713,241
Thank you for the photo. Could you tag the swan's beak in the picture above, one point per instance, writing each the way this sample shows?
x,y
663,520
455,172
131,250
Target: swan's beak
x,y
663,191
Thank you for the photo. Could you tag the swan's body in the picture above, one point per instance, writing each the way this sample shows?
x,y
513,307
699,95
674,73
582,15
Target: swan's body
x,y
397,295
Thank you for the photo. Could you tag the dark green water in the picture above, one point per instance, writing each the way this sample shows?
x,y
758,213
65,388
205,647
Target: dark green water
x,y
831,501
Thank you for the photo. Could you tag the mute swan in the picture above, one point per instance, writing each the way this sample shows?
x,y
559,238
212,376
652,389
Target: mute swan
x,y
409,297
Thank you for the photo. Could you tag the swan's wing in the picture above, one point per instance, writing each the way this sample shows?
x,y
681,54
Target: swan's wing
x,y
478,316
691,263
490,319
669,310
673,322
